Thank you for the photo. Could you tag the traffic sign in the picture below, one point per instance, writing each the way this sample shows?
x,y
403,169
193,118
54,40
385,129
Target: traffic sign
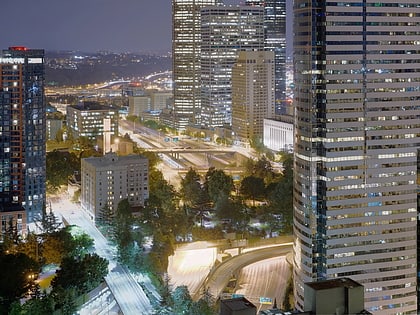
x,y
266,300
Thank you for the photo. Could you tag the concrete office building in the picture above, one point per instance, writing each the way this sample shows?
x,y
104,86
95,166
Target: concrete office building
x,y
87,120
278,134
225,31
149,101
275,41
139,104
22,137
186,55
108,179
252,94
357,126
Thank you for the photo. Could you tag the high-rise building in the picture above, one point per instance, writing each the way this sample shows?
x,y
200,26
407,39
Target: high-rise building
x,y
108,179
357,126
22,136
225,31
186,38
252,94
275,40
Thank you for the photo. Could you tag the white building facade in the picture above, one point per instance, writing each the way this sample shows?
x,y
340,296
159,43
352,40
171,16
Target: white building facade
x,y
107,180
278,135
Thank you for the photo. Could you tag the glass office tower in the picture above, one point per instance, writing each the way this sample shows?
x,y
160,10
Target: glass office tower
x,y
22,136
225,31
357,126
186,54
275,40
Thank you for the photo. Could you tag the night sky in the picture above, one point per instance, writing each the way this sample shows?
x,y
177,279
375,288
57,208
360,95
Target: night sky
x,y
88,25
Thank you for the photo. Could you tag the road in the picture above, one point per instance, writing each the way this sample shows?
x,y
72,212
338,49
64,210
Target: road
x,y
190,265
266,278
125,289
219,277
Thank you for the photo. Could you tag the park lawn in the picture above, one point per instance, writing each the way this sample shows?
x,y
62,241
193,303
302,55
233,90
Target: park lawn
x,y
45,283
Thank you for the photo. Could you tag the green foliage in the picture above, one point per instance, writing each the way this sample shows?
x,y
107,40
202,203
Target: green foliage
x,y
64,300
260,168
160,189
191,189
30,246
105,216
165,290
203,234
48,223
83,274
280,195
182,300
252,187
60,165
57,245
105,220
16,278
82,244
163,247
122,233
35,306
218,185
204,306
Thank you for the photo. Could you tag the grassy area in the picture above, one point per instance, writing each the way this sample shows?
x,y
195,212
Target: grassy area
x,y
45,283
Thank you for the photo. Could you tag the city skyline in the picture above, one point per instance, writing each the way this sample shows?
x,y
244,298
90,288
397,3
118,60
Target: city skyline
x,y
90,26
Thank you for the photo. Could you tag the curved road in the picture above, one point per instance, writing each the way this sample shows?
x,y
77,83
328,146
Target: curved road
x,y
220,275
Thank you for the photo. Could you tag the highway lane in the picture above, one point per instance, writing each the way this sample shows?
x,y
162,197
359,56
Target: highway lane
x,y
125,289
219,276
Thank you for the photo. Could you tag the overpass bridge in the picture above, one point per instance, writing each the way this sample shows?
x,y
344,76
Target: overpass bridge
x,y
220,275
175,152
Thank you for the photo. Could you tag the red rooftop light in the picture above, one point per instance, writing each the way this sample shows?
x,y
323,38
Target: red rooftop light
x,y
18,48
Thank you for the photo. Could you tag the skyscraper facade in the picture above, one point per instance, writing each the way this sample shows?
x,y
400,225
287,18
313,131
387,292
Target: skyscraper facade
x,y
22,136
357,126
275,40
252,94
225,31
186,38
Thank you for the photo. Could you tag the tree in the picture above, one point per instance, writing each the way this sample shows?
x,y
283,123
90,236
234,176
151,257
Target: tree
x,y
202,307
59,167
165,290
218,185
83,244
252,187
48,223
191,189
280,196
30,246
123,226
260,168
182,300
17,277
84,274
105,219
57,245
11,237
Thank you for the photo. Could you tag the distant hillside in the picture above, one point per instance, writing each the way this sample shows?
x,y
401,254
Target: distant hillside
x,y
75,68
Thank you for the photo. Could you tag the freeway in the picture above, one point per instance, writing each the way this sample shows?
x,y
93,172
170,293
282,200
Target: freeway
x,y
126,290
220,275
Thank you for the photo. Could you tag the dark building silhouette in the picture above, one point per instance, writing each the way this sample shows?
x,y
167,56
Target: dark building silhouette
x,y
22,136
